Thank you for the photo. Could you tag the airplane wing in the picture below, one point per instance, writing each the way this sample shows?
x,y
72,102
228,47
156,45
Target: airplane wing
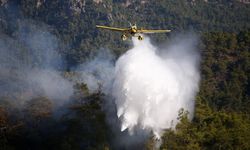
x,y
112,28
152,31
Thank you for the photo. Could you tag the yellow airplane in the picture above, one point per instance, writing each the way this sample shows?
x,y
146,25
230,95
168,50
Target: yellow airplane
x,y
132,31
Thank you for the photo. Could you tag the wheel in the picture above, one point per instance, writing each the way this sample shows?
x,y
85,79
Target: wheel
x,y
124,37
140,37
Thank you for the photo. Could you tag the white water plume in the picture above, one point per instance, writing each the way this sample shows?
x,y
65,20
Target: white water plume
x,y
151,85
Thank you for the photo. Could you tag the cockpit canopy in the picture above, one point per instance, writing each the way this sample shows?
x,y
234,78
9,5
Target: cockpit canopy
x,y
134,26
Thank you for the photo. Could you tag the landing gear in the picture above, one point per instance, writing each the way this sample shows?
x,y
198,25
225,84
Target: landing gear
x,y
140,38
124,37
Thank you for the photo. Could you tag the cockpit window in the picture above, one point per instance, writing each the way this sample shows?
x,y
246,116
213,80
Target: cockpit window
x,y
134,26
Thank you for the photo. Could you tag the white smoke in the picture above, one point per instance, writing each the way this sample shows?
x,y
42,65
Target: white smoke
x,y
52,84
97,74
30,65
151,85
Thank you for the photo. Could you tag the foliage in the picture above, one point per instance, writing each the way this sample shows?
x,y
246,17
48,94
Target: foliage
x,y
74,21
209,130
222,115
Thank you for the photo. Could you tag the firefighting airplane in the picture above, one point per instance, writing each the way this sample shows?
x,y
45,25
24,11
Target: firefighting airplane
x,y
132,31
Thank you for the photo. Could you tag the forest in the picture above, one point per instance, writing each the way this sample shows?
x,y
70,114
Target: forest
x,y
33,30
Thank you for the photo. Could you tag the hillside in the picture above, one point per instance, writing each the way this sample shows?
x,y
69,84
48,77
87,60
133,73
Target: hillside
x,y
44,41
74,21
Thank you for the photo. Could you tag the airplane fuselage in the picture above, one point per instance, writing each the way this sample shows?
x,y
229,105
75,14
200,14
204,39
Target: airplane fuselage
x,y
133,30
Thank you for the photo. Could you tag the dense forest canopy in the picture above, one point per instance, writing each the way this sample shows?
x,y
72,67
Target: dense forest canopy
x,y
74,21
30,120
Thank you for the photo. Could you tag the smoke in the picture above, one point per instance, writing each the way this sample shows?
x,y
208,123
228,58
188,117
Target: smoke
x,y
30,65
147,85
144,89
98,72
151,85
52,83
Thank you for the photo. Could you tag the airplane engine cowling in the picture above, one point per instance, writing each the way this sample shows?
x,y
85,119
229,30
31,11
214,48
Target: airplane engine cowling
x,y
140,37
124,37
